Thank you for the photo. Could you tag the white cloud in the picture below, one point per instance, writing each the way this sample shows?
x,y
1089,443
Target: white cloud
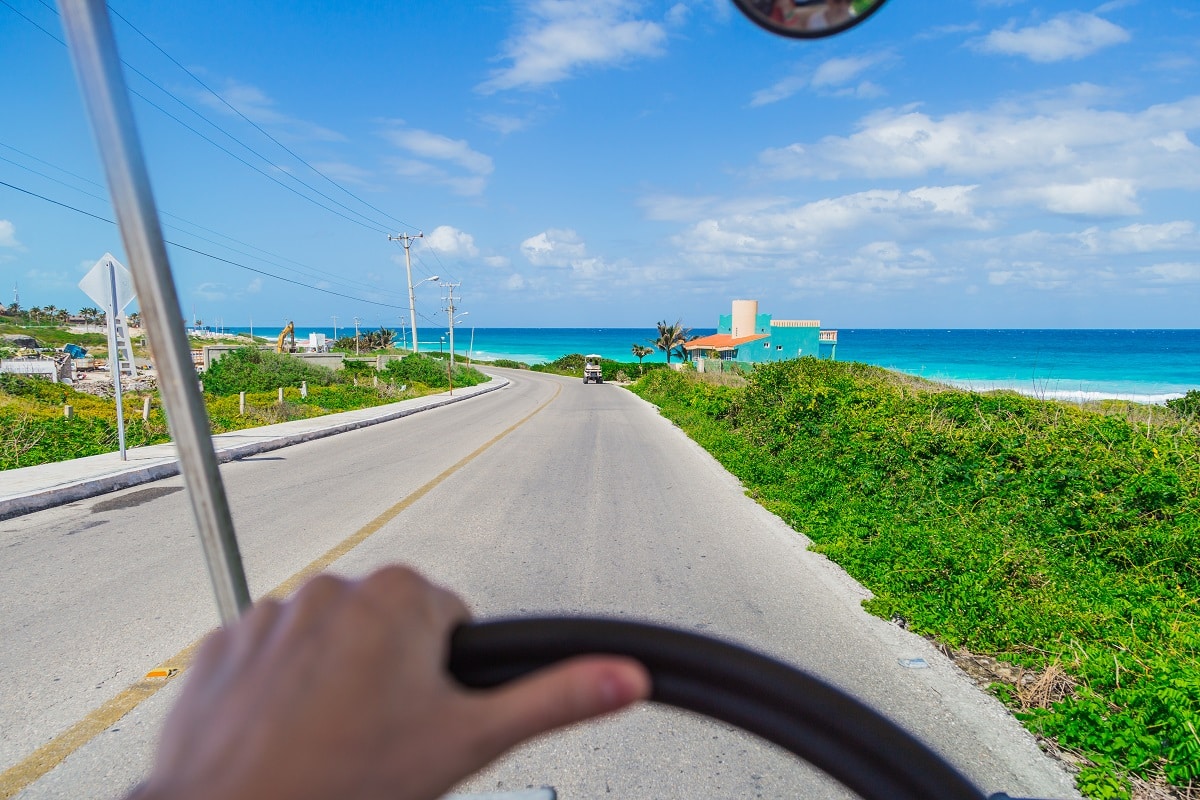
x,y
211,291
1094,241
1174,142
946,199
1100,197
553,248
840,71
566,256
440,160
1071,35
451,241
1064,155
515,282
8,234
1032,273
342,172
504,123
833,76
678,15
442,148
878,266
499,262
790,229
254,104
560,38
1172,273
1143,238
254,286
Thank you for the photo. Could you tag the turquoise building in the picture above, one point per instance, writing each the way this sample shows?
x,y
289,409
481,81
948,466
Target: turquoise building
x,y
748,337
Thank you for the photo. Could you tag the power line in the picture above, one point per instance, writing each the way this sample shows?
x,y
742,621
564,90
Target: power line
x,y
253,123
209,255
369,224
313,271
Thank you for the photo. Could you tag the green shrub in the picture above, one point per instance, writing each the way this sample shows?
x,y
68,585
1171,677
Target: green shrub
x,y
422,369
1188,405
249,369
1033,531
509,363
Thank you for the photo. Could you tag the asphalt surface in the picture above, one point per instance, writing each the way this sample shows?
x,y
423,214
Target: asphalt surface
x,y
592,504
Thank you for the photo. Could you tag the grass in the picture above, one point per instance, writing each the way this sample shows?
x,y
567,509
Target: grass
x,y
1059,539
34,429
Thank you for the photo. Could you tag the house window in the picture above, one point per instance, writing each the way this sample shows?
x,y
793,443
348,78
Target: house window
x,y
778,347
766,344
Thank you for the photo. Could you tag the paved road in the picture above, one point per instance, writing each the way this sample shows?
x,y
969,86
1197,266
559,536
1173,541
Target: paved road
x,y
592,504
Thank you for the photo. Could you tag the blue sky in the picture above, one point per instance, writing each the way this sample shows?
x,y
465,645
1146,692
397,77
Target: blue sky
x,y
998,163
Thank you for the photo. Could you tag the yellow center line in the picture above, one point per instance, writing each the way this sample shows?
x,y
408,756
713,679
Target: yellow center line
x,y
17,777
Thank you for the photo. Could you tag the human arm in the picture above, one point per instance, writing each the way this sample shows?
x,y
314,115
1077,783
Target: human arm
x,y
342,692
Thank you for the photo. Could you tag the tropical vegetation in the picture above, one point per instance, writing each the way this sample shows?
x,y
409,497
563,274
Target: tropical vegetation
x,y
671,339
640,351
1060,540
35,430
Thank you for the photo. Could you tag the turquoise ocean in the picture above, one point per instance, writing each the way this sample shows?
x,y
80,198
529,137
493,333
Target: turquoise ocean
x,y
1149,366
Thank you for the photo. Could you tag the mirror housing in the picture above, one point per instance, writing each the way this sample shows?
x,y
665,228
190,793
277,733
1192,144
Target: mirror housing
x,y
807,19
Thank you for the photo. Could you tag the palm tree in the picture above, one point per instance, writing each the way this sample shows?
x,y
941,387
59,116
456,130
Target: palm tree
x,y
135,319
63,316
90,315
671,337
640,351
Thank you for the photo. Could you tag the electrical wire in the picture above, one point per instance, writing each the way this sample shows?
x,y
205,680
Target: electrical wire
x,y
256,126
312,271
369,224
209,255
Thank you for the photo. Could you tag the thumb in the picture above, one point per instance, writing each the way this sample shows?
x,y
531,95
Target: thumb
x,y
572,691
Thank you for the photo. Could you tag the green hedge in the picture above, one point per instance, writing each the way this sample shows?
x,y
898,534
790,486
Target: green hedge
x,y
249,369
431,372
1038,532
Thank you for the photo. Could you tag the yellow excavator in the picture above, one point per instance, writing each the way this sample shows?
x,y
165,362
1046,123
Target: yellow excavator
x,y
288,335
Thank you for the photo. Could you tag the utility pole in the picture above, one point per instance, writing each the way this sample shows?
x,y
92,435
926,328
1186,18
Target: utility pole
x,y
356,336
406,240
450,287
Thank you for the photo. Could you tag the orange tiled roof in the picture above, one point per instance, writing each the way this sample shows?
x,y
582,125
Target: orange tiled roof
x,y
721,341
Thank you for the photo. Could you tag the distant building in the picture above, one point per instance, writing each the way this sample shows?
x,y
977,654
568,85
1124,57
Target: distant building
x,y
746,336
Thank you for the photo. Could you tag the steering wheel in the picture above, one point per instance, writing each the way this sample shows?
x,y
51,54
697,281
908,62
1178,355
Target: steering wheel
x,y
831,730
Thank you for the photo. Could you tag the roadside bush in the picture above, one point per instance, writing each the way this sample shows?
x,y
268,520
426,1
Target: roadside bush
x,y
508,363
1187,406
418,368
1048,536
249,369
571,364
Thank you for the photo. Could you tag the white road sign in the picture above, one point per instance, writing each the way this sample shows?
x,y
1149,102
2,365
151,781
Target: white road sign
x,y
98,286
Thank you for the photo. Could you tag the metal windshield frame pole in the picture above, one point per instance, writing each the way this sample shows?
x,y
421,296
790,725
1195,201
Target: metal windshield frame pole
x,y
98,69
114,355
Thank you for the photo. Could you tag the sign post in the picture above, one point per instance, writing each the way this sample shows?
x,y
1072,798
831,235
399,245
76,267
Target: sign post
x,y
110,285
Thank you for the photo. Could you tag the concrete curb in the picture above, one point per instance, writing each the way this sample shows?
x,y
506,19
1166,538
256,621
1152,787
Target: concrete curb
x,y
168,466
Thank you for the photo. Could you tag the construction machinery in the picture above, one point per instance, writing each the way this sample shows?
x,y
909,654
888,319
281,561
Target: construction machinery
x,y
287,337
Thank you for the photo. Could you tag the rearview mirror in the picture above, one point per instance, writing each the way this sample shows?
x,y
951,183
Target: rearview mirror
x,y
808,19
